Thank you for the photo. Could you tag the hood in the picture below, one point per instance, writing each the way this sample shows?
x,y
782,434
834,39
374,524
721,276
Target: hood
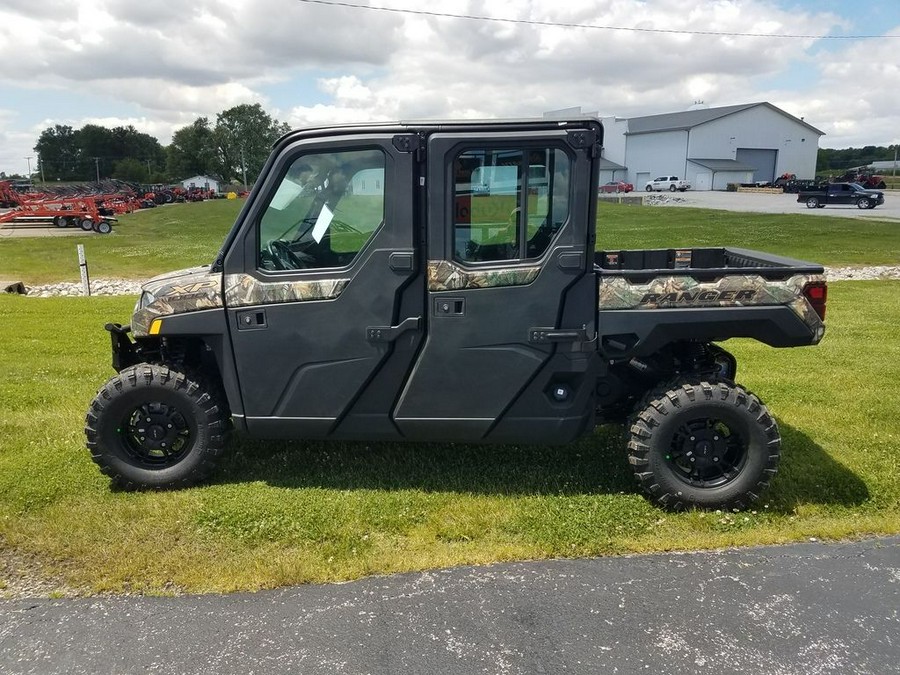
x,y
188,290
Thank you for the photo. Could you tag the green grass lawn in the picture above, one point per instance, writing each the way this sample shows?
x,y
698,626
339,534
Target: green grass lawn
x,y
142,244
158,240
289,512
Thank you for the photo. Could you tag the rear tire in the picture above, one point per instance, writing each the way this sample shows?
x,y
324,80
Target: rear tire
x,y
103,227
649,188
706,444
86,224
153,427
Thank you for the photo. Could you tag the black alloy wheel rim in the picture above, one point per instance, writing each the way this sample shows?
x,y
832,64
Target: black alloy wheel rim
x,y
156,435
707,452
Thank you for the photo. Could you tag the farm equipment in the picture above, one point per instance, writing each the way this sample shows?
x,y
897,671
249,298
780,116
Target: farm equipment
x,y
867,180
90,207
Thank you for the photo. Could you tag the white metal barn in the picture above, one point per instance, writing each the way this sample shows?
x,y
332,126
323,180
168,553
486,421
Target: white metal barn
x,y
202,182
710,147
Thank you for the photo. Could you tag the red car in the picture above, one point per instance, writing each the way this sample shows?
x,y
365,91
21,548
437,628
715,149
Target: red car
x,y
617,186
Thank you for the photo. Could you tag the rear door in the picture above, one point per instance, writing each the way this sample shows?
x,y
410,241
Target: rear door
x,y
323,291
511,297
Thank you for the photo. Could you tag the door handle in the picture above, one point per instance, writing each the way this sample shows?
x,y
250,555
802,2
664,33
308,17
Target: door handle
x,y
391,333
547,335
251,319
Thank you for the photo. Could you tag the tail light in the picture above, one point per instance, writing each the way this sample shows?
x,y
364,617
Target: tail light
x,y
816,294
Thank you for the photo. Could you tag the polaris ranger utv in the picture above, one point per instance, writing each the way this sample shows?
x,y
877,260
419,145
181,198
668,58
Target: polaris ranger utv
x,y
439,282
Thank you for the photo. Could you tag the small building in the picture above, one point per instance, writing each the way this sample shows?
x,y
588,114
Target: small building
x,y
710,147
202,182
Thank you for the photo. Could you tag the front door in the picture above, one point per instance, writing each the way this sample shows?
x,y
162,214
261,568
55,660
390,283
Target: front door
x,y
511,300
323,290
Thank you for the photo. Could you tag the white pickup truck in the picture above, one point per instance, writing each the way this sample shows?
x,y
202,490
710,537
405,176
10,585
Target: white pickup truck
x,y
670,183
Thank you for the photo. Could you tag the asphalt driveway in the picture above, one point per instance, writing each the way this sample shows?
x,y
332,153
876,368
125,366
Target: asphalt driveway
x,y
808,608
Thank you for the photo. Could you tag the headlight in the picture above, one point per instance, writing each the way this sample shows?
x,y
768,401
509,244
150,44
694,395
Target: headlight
x,y
145,299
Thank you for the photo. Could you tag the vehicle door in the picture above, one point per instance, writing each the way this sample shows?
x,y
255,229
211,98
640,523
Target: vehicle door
x,y
839,193
320,288
511,297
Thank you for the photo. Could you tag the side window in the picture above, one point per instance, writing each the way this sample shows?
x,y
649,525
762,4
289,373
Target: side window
x,y
325,210
508,203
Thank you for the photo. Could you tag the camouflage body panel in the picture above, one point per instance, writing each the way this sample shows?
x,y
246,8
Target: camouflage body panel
x,y
242,290
196,289
187,290
738,290
444,275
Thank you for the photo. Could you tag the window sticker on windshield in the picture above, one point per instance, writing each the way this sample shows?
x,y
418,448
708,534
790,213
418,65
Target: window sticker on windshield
x,y
322,223
287,193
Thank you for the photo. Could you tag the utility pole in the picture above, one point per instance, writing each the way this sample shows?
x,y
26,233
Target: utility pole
x,y
41,164
97,165
244,169
894,170
28,159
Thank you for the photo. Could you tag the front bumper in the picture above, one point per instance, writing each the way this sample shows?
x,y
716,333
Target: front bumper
x,y
124,350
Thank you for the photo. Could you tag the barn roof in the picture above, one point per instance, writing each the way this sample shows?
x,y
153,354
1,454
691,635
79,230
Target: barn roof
x,y
683,121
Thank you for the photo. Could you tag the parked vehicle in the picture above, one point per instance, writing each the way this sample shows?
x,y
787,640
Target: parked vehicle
x,y
367,291
866,180
791,184
841,193
670,183
617,186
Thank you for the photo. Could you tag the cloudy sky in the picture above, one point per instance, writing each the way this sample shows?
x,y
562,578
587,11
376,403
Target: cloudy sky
x,y
159,64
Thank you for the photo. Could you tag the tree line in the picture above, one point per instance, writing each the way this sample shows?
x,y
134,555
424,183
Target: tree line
x,y
831,160
235,146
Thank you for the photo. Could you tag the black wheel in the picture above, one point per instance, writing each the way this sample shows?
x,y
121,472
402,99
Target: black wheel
x,y
672,188
154,427
812,202
711,445
103,227
862,203
60,221
649,188
86,224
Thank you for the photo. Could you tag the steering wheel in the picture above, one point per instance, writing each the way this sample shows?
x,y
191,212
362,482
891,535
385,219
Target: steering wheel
x,y
283,257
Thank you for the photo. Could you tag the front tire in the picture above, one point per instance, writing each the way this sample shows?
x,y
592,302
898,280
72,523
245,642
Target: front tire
x,y
672,188
812,202
706,444
649,188
153,427
862,203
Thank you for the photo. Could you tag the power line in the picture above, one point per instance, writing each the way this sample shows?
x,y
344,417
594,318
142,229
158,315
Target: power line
x,y
559,24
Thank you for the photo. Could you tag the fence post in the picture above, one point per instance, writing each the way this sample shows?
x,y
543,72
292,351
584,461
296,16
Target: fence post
x,y
85,277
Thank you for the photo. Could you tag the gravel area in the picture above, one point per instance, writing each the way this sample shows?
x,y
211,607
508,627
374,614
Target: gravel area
x,y
98,287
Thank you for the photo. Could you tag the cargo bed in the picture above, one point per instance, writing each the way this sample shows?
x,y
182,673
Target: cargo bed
x,y
699,262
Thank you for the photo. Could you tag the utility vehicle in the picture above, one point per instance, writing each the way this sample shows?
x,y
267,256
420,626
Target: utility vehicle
x,y
371,289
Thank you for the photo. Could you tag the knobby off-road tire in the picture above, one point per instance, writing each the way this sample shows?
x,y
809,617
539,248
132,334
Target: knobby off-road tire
x,y
153,427
706,444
